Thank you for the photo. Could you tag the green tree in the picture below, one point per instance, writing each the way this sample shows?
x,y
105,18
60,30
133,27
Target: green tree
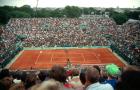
x,y
57,13
133,14
43,13
4,16
91,9
19,14
119,18
111,11
72,11
85,11
138,8
27,9
7,8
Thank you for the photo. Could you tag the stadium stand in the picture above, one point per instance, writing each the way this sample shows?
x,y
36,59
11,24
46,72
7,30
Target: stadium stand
x,y
94,30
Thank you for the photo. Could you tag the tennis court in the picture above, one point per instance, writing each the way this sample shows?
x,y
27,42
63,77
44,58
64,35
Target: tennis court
x,y
44,59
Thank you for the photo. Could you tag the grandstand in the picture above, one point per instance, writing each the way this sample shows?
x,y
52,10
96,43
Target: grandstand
x,y
39,51
92,31
44,46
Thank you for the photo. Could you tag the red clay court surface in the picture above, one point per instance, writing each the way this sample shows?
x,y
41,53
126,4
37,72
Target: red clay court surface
x,y
44,59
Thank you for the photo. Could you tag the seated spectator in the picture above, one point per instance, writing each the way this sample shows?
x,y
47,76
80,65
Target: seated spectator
x,y
58,73
92,80
5,80
75,81
82,78
19,80
103,76
129,79
30,80
42,76
112,72
17,86
48,85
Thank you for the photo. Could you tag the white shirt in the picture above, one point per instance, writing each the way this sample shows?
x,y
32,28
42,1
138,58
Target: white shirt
x,y
98,86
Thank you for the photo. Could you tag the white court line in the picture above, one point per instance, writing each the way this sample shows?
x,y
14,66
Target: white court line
x,y
97,57
118,57
83,57
52,58
38,57
15,59
60,57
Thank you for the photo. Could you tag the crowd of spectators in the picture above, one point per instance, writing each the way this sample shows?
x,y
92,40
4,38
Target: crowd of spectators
x,y
8,45
127,40
63,32
110,77
74,32
71,32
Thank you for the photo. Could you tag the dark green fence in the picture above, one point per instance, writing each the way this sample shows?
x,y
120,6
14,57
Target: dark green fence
x,y
9,55
121,54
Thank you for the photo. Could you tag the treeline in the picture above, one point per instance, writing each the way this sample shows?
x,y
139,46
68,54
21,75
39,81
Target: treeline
x,y
7,12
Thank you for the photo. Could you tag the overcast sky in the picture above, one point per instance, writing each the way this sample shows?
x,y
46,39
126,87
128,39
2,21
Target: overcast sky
x,y
80,3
